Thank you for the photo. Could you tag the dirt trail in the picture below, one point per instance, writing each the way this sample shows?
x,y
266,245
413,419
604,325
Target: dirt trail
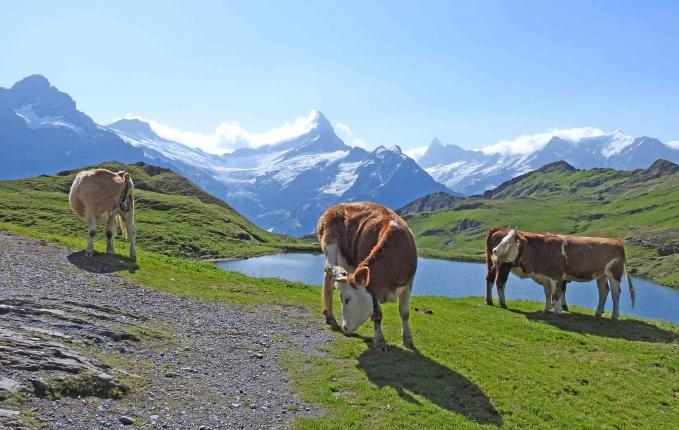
x,y
83,350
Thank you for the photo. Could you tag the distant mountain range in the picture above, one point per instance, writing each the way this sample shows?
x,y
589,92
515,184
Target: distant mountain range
x,y
473,172
282,187
285,186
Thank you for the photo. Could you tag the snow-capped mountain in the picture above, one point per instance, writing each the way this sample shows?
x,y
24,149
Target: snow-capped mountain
x,y
41,131
473,172
285,186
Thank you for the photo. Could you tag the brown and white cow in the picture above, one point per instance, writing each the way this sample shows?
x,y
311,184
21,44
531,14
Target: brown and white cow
x,y
552,260
370,257
101,194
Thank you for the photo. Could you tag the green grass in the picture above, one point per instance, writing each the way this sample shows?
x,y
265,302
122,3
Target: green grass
x,y
598,202
476,366
173,216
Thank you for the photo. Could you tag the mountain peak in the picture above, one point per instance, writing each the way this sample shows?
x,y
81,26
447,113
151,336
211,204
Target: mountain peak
x,y
435,143
38,82
133,126
557,167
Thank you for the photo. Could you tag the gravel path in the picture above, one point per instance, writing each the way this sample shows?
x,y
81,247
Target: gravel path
x,y
71,341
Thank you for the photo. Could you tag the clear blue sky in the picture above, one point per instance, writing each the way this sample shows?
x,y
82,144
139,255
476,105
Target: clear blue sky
x,y
395,72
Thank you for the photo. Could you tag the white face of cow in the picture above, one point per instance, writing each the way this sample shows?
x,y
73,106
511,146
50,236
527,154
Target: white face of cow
x,y
508,248
357,303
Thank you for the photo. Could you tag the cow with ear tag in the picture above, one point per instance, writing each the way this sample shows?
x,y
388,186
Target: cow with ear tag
x,y
370,257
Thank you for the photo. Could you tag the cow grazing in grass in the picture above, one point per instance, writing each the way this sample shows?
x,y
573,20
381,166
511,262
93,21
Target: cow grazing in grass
x,y
552,260
100,194
370,257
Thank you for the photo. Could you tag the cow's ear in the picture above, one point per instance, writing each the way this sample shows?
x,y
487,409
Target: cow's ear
x,y
126,176
361,277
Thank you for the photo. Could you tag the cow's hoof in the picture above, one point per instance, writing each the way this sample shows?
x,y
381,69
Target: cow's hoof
x,y
598,315
408,343
330,320
546,311
379,345
614,317
564,307
110,252
489,302
89,253
133,257
504,305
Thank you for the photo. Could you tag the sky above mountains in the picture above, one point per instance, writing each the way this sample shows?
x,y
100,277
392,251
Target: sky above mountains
x,y
231,74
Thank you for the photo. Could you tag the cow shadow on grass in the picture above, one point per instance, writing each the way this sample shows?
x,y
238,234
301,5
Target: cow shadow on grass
x,y
102,263
410,373
628,329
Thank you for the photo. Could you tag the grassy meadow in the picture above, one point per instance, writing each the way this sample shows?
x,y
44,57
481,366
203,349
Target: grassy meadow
x,y
640,206
475,366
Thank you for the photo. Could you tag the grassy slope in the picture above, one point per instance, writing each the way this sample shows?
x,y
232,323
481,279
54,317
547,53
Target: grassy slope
x,y
477,366
173,216
599,202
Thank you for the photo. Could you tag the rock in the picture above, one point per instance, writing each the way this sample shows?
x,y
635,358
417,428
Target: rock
x,y
8,387
125,420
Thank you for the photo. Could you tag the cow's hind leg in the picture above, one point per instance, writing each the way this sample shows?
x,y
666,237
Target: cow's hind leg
x,y
564,306
602,286
91,232
404,311
128,219
110,232
615,295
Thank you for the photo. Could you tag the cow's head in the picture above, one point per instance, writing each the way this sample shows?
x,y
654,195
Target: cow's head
x,y
357,303
508,248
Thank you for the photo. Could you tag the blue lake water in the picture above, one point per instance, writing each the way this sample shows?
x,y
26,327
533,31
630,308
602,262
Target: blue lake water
x,y
458,279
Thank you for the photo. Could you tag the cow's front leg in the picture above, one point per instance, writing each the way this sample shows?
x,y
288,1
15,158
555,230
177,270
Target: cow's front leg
x,y
378,341
404,311
326,295
501,282
548,297
555,286
490,280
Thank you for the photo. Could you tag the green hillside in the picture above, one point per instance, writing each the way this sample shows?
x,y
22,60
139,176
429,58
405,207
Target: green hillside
x,y
173,216
641,206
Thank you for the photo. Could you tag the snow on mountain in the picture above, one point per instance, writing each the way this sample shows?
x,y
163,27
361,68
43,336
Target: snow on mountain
x,y
473,172
285,186
42,131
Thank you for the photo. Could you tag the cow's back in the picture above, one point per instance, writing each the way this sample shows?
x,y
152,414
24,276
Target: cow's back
x,y
356,228
96,191
587,257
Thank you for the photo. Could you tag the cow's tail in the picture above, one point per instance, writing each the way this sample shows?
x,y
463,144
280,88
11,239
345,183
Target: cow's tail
x,y
632,290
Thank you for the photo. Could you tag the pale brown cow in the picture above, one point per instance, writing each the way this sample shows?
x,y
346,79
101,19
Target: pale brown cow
x,y
551,259
101,194
370,257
